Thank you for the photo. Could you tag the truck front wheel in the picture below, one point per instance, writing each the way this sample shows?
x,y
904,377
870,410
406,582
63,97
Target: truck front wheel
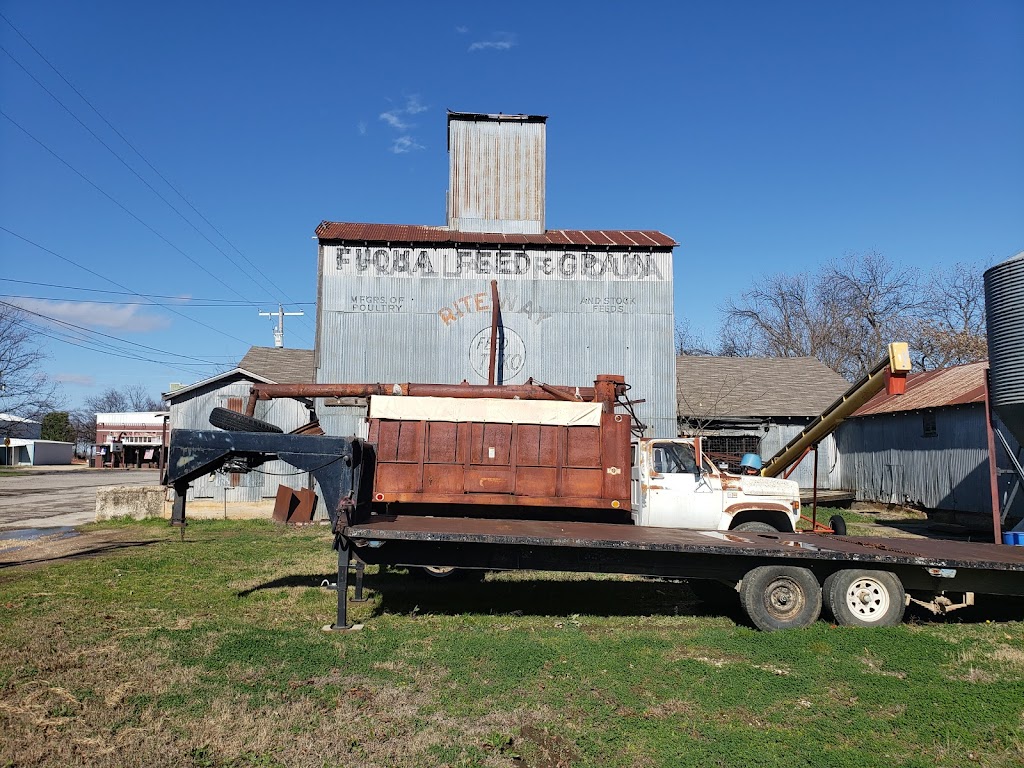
x,y
756,527
780,597
861,598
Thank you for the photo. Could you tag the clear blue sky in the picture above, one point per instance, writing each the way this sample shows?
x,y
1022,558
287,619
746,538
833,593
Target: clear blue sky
x,y
764,137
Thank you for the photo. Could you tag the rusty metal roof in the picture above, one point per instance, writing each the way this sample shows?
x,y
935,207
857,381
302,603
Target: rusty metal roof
x,y
405,233
959,385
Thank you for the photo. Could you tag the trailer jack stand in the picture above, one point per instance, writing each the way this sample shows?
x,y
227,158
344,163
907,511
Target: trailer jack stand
x,y
341,623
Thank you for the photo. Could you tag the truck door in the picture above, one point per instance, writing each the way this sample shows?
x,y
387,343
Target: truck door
x,y
676,497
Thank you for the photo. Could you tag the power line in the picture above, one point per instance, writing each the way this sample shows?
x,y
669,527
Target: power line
x,y
129,167
166,364
119,285
116,202
189,299
143,157
191,303
105,335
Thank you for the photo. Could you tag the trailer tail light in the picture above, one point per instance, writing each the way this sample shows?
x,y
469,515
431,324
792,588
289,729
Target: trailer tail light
x,y
379,497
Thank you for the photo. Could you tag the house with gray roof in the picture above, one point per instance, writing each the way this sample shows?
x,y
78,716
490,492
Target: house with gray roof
x,y
756,405
250,494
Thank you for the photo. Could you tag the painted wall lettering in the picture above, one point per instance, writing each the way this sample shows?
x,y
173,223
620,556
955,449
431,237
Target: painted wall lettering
x,y
522,264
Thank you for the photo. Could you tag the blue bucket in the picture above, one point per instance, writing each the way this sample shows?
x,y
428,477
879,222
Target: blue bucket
x,y
1014,538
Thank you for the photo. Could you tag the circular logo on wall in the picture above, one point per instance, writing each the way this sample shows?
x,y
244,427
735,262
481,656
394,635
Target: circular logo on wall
x,y
511,354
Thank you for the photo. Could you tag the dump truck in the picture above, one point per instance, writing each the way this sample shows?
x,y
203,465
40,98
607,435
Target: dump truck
x,y
540,477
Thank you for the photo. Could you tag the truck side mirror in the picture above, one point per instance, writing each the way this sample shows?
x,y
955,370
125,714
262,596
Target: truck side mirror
x,y
698,472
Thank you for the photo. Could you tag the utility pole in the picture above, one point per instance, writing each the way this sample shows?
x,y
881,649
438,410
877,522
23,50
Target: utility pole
x,y
281,315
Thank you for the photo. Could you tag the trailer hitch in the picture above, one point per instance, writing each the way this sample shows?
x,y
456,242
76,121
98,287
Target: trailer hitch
x,y
336,463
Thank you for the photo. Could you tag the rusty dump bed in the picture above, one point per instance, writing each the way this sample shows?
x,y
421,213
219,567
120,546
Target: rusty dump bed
x,y
423,462
667,552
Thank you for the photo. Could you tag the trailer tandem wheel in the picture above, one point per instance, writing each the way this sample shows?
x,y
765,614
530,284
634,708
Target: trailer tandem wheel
x,y
862,598
780,597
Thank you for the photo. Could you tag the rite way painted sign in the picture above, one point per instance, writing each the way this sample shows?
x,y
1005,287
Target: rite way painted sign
x,y
523,264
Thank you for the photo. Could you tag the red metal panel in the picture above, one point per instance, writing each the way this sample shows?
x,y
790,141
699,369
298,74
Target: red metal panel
x,y
536,481
443,478
387,440
615,458
396,478
491,439
442,442
410,441
489,480
587,483
583,447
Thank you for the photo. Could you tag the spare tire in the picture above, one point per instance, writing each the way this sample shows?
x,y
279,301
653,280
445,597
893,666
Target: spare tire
x,y
232,421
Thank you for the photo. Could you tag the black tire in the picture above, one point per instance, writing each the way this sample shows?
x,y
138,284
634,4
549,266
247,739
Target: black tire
x,y
756,527
448,573
862,598
712,592
838,525
232,421
780,597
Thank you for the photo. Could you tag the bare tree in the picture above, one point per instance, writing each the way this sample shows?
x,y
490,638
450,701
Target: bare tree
x,y
690,342
871,302
952,328
133,397
25,390
846,314
127,399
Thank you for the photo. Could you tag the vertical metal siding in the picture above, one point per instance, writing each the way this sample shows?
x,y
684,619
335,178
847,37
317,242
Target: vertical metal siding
x,y
887,459
192,411
557,329
496,176
779,435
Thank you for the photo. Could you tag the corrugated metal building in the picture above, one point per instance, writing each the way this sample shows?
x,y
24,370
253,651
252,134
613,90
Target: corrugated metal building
x,y
926,448
190,408
35,453
757,405
403,303
18,426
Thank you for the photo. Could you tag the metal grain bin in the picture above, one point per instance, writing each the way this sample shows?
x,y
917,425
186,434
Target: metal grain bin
x,y
1004,307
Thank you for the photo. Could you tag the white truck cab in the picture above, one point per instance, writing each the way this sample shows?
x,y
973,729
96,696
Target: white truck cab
x,y
670,489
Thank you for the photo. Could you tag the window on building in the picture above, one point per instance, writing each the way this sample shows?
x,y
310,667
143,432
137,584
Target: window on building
x,y
928,426
730,449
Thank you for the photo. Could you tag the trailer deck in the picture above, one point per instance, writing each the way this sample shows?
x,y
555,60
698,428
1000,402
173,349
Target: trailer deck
x,y
922,564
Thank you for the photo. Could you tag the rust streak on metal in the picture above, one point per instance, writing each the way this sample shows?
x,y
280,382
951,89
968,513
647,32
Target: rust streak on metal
x,y
495,314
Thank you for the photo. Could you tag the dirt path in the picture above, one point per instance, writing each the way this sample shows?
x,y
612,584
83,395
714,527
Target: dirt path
x,y
42,546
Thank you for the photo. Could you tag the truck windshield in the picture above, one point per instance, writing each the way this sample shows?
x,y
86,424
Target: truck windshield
x,y
674,458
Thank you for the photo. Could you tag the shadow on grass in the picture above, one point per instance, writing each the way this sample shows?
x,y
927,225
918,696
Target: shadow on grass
x,y
406,592
399,591
101,549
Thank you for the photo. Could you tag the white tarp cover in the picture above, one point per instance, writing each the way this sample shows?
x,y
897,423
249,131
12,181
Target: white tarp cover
x,y
485,409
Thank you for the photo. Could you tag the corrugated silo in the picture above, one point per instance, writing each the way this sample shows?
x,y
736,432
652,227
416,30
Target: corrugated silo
x,y
1004,308
403,303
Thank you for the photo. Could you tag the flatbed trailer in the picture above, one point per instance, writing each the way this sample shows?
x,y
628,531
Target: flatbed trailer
x,y
782,580
926,567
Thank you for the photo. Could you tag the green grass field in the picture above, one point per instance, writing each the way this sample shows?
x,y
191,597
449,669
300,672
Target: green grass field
x,y
210,652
